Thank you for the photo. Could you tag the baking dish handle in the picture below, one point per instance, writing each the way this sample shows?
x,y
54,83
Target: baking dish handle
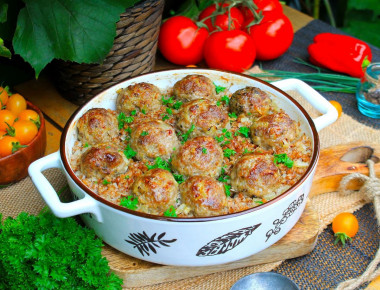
x,y
329,113
60,209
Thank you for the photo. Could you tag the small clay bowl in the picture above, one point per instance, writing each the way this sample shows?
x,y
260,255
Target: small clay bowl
x,y
15,166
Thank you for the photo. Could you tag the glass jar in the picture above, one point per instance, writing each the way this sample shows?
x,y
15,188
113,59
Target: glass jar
x,y
368,92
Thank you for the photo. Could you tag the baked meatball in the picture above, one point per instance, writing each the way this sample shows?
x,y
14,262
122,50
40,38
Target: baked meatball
x,y
255,175
274,130
141,96
103,160
152,139
199,156
156,190
251,101
208,119
97,125
204,195
193,87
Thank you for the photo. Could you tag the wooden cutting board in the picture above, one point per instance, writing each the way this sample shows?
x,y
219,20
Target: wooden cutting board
x,y
335,162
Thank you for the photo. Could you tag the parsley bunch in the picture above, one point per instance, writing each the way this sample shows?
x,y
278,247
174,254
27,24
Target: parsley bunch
x,y
45,252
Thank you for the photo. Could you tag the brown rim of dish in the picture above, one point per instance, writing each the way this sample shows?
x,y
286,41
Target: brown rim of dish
x,y
312,165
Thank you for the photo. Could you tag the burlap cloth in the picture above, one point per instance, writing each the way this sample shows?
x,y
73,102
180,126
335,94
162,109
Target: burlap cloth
x,y
324,268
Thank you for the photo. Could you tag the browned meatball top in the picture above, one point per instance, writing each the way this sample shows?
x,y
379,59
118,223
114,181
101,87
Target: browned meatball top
x,y
251,101
255,175
204,195
97,125
152,139
199,156
193,87
156,191
274,130
142,97
208,119
103,160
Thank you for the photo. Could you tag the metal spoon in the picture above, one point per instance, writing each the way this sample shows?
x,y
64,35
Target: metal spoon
x,y
265,281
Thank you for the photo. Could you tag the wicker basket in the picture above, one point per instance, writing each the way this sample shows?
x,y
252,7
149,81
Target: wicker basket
x,y
133,53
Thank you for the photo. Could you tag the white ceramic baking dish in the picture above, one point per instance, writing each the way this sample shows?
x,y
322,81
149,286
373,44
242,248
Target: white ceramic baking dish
x,y
188,241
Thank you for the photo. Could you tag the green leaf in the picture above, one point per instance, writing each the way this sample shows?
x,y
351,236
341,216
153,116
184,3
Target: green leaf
x,y
5,52
79,31
3,12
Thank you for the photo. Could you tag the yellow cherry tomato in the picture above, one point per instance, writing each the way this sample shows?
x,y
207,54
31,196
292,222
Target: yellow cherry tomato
x,y
16,103
3,96
345,226
6,117
25,131
8,145
337,106
29,115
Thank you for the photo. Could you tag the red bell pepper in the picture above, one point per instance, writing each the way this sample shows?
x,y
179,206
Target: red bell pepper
x,y
340,53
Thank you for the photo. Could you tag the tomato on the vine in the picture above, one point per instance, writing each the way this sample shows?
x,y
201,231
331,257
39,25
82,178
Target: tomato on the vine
x,y
181,40
345,226
16,103
221,21
25,131
3,96
6,118
231,50
9,145
272,36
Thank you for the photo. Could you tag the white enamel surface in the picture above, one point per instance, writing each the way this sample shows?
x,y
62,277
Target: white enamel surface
x,y
115,226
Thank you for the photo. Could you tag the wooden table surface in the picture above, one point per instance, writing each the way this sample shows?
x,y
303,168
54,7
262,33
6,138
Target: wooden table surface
x,y
57,110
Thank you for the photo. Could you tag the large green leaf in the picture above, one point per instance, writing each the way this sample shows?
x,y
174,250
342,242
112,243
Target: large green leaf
x,y
76,30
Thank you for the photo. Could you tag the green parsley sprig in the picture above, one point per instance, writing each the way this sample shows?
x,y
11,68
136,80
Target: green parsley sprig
x,y
170,212
186,135
283,158
130,202
46,252
159,163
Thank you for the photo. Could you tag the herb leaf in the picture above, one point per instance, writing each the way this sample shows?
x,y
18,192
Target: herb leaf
x,y
186,135
129,152
160,163
179,178
129,202
228,152
170,212
243,131
283,158
219,89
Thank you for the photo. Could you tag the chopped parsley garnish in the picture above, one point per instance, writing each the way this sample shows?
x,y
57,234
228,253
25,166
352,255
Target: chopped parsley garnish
x,y
170,212
225,100
106,182
165,117
232,115
160,163
179,178
144,133
133,113
227,189
167,101
283,158
177,105
129,152
121,120
169,111
228,152
227,134
246,151
128,130
85,145
143,111
259,201
223,176
204,150
219,89
187,134
243,131
126,177
129,202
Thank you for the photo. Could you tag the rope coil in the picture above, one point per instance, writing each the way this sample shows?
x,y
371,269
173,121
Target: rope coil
x,y
371,192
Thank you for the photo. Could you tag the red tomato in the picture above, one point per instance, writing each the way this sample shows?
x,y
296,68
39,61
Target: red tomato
x,y
181,40
231,50
265,6
272,37
221,21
